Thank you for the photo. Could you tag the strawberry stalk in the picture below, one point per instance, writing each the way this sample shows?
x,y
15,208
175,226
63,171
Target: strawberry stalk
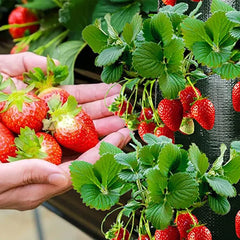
x,y
190,83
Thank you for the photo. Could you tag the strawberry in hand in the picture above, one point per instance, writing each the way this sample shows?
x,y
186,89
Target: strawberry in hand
x,y
23,108
41,145
71,126
7,145
21,15
46,85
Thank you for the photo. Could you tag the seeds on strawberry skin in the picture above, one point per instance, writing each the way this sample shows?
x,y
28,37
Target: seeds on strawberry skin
x,y
237,224
199,232
146,127
164,131
170,233
236,97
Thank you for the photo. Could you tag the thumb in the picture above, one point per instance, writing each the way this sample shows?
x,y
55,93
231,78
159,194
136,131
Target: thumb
x,y
30,171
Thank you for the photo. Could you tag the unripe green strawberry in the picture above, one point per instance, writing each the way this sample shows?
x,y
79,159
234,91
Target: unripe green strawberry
x,y
7,145
184,222
199,232
21,15
170,233
236,97
237,224
203,111
171,113
71,126
39,145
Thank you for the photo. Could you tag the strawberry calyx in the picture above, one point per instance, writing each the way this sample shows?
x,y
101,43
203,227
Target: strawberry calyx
x,y
54,76
28,145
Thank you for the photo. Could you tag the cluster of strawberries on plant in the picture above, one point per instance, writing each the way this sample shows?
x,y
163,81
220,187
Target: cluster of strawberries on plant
x,y
171,115
42,119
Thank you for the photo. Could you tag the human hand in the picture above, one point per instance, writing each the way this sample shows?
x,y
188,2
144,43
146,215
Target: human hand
x,y
27,183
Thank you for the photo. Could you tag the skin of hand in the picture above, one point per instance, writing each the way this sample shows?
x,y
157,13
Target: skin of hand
x,y
27,183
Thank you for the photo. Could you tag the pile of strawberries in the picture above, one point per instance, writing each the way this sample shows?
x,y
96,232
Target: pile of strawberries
x,y
42,119
171,115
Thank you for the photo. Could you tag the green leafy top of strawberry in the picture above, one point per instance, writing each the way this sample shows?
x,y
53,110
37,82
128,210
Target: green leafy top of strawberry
x,y
55,75
28,145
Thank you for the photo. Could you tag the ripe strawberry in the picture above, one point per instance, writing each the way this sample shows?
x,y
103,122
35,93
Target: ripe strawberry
x,y
123,108
39,145
169,2
146,114
236,97
121,234
237,224
7,146
164,131
203,112
144,237
184,222
21,15
23,109
188,96
199,232
171,113
170,233
71,126
19,48
146,127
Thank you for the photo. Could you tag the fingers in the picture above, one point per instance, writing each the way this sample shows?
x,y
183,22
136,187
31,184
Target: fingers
x,y
16,64
118,139
88,93
32,171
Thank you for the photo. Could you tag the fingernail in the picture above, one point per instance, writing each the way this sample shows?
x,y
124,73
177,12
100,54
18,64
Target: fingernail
x,y
57,179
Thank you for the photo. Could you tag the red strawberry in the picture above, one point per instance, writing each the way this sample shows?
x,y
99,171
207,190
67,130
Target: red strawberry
x,y
146,114
184,222
48,93
164,131
188,96
171,113
236,97
71,126
7,146
203,112
123,108
146,127
39,145
170,233
121,234
199,232
19,48
169,2
144,237
22,15
237,224
23,109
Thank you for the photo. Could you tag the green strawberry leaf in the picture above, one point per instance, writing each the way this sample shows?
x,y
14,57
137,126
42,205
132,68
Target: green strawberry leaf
x,y
99,199
233,16
131,30
161,28
232,170
228,70
217,164
198,159
95,38
235,146
148,60
147,31
168,157
112,73
109,56
128,160
151,139
221,186
235,32
128,175
205,54
149,5
159,214
220,205
218,5
171,84
157,184
182,190
106,147
40,5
